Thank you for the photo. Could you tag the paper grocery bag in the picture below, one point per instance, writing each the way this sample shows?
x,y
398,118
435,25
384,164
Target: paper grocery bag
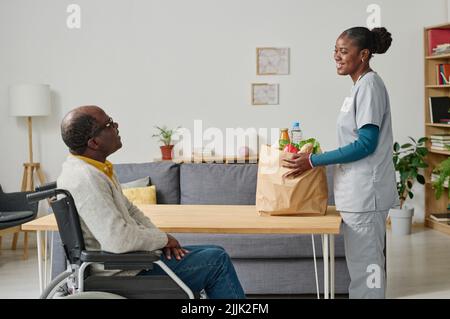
x,y
305,195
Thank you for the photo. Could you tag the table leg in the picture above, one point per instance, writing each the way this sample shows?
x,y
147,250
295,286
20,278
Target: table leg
x,y
51,257
332,265
45,258
326,269
39,252
315,266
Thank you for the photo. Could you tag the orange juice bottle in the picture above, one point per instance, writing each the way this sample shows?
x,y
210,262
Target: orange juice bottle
x,y
284,138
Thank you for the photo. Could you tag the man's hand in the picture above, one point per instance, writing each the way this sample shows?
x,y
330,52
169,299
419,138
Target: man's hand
x,y
173,248
298,165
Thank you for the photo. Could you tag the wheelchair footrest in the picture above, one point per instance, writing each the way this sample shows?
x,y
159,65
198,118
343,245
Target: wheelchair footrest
x,y
136,287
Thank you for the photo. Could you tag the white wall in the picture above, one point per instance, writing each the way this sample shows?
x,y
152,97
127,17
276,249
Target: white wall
x,y
170,62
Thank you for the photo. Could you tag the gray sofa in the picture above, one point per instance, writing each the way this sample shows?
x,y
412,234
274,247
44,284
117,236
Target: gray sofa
x,y
266,264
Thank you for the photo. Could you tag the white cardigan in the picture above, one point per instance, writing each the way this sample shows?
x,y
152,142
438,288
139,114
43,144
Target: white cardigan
x,y
109,221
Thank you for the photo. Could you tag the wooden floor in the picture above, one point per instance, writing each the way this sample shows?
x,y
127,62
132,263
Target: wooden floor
x,y
418,267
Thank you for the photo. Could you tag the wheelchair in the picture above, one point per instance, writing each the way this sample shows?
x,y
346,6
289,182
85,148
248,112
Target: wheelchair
x,y
77,281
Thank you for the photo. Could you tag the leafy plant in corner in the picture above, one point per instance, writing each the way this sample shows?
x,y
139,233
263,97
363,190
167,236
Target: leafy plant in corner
x,y
444,173
408,159
165,134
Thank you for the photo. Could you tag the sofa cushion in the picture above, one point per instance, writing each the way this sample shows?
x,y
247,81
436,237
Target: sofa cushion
x,y
164,175
263,245
219,184
141,182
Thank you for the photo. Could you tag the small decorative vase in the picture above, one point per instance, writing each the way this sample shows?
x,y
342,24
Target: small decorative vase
x,y
166,152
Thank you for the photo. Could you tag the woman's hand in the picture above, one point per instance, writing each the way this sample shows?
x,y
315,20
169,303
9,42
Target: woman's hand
x,y
173,248
299,163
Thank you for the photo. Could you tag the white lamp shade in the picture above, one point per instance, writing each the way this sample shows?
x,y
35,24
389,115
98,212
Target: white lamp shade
x,y
29,100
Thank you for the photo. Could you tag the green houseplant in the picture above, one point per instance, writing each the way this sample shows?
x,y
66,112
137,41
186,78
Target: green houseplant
x,y
165,136
443,170
408,159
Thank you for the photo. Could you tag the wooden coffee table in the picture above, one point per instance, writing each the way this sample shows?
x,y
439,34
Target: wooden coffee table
x,y
228,219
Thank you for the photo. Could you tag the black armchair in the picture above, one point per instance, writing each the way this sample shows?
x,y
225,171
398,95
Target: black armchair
x,y
14,211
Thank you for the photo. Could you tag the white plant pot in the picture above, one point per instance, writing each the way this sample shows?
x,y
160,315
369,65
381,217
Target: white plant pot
x,y
401,221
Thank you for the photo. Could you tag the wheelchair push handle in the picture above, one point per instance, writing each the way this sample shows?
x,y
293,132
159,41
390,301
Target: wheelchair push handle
x,y
38,196
45,187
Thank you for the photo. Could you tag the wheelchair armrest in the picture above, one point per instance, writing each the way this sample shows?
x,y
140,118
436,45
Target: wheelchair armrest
x,y
17,201
128,261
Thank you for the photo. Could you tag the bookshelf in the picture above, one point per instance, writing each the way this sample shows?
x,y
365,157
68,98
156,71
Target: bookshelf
x,y
434,157
437,57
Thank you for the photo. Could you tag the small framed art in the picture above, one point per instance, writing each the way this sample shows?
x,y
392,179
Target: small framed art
x,y
264,94
272,61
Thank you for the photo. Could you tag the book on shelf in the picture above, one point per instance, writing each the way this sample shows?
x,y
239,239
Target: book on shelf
x,y
441,137
438,148
433,144
441,217
437,37
440,142
439,109
441,49
443,74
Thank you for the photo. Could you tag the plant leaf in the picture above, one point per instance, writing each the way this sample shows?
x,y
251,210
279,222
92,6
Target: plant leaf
x,y
422,151
410,194
420,179
395,158
396,147
422,140
406,145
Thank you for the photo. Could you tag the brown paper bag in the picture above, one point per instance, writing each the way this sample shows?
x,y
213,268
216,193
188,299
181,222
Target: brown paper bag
x,y
306,195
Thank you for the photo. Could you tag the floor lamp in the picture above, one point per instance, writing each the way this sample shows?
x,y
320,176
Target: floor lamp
x,y
29,100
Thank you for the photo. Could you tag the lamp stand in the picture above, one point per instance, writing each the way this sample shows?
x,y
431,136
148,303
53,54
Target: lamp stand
x,y
28,184
30,167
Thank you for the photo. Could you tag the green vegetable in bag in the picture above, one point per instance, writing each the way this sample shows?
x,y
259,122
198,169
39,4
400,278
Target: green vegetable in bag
x,y
313,141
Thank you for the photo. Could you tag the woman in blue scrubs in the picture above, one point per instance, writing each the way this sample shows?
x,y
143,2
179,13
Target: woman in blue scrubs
x,y
364,178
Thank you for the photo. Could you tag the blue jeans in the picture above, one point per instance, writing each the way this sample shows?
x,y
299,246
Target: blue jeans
x,y
205,267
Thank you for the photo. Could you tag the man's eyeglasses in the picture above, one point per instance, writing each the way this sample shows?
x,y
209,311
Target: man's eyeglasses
x,y
108,124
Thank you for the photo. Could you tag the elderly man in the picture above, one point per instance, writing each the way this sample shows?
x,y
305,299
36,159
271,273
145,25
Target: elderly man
x,y
112,223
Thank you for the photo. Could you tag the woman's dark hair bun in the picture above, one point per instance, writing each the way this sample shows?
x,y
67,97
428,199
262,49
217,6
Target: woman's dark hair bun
x,y
382,40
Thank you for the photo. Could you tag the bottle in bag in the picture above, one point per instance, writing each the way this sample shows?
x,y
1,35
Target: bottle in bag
x,y
284,138
296,133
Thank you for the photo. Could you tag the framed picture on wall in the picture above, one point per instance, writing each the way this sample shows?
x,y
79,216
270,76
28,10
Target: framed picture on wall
x,y
272,61
264,94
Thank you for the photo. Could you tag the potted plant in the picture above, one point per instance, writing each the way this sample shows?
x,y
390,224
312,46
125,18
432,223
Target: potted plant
x,y
165,136
408,160
442,174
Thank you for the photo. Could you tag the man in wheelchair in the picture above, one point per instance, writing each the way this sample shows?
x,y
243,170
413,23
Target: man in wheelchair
x,y
111,223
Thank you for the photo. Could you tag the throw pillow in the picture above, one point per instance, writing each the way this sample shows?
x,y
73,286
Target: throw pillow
x,y
141,182
141,195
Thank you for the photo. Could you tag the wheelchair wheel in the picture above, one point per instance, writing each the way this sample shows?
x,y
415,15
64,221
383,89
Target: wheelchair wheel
x,y
94,295
59,284
57,289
